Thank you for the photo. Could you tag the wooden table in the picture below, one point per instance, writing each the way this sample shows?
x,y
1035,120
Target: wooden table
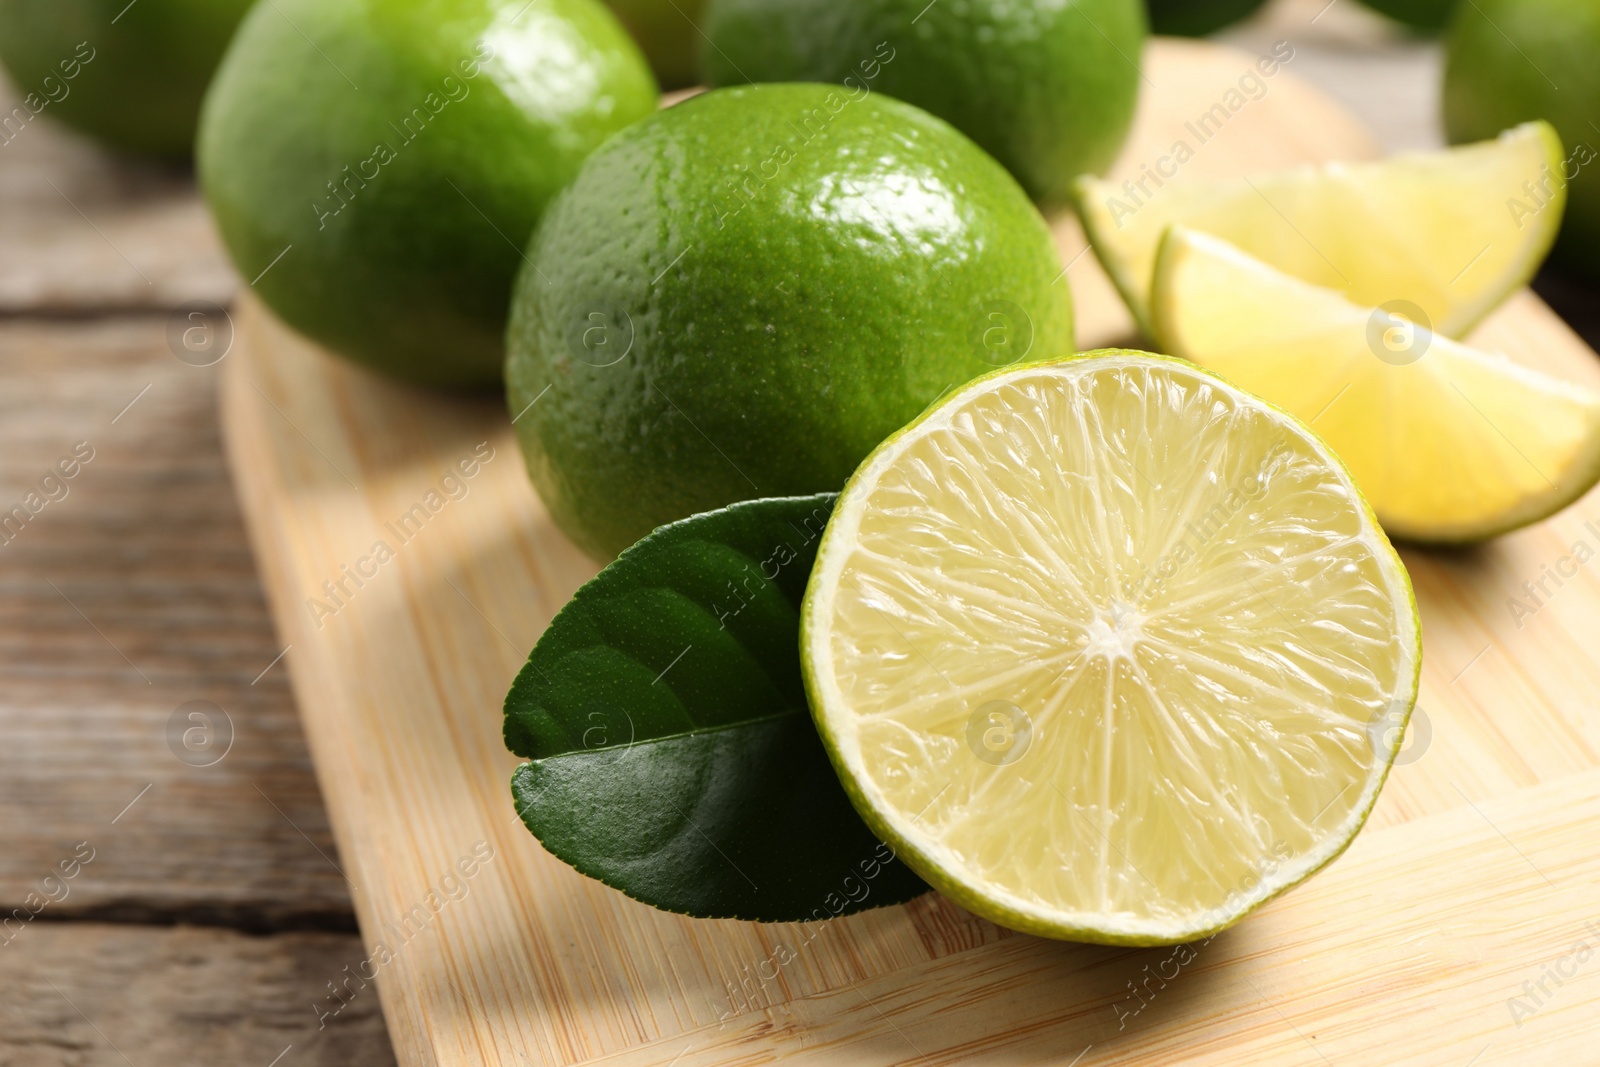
x,y
207,912
211,913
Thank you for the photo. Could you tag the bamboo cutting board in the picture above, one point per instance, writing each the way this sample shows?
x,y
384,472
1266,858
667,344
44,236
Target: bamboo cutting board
x,y
1462,927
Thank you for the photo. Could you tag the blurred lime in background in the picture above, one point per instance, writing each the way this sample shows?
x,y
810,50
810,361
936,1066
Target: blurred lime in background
x,y
745,293
129,75
1047,89
1196,18
1508,61
1418,14
666,31
376,166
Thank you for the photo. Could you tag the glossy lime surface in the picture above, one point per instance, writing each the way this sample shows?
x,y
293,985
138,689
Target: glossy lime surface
x,y
376,166
1047,89
666,30
742,295
1196,18
1508,61
131,76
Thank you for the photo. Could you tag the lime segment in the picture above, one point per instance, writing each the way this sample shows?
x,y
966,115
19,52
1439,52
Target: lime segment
x,y
1099,645
1449,444
1432,228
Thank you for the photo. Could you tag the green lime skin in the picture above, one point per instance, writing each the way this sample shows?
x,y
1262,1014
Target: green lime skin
x,y
1427,15
1504,60
667,31
1047,89
1196,18
744,294
376,166
129,76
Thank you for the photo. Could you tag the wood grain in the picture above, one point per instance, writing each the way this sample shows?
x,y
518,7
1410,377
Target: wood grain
x,y
399,679
84,229
1341,972
126,598
90,993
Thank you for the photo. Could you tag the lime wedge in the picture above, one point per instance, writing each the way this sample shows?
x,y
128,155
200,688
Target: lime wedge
x,y
1448,444
1454,232
1108,649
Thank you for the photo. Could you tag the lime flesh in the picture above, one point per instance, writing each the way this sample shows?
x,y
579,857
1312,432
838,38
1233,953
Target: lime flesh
x,y
1449,444
1099,645
1430,228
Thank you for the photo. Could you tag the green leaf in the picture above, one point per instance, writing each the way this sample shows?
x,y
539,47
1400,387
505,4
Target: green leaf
x,y
672,752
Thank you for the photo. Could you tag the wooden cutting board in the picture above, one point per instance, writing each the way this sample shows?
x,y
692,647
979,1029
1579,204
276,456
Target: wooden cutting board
x,y
1478,872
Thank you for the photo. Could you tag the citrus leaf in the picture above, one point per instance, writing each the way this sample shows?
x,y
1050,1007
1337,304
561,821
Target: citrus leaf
x,y
672,754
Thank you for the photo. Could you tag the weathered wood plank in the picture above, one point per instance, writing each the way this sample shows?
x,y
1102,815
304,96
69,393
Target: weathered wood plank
x,y
95,995
129,596
84,229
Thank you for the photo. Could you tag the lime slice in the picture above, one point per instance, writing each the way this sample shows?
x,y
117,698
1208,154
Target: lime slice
x,y
1108,649
1449,444
1455,232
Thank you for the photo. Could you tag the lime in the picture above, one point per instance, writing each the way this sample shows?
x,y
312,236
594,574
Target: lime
x,y
1418,14
1047,89
130,75
1196,18
1513,60
743,294
667,31
1430,227
1109,650
376,166
1449,444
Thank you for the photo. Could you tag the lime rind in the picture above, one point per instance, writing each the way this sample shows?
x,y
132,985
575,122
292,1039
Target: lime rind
x,y
1547,225
1097,228
1564,487
1332,184
1007,909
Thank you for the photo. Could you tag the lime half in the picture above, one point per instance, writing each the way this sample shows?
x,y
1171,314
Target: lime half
x,y
1448,443
1109,650
1443,230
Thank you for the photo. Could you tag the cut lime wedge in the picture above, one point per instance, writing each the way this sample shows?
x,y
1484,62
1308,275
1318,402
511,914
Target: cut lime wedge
x,y
1108,649
1448,444
1454,232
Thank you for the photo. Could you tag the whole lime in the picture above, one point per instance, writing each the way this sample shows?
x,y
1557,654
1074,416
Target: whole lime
x,y
129,75
744,294
376,166
1508,61
1048,89
667,31
1418,14
1196,18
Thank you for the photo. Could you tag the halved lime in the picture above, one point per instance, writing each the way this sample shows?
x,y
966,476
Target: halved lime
x,y
1439,229
1449,444
1108,649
